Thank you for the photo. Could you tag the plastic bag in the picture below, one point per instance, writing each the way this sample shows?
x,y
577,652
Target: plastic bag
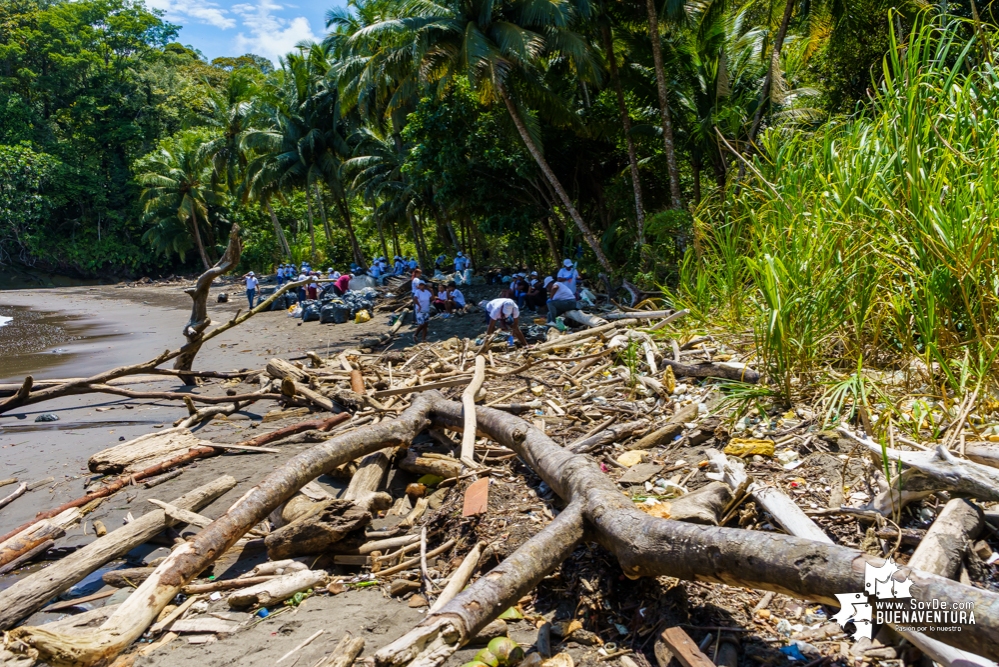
x,y
362,316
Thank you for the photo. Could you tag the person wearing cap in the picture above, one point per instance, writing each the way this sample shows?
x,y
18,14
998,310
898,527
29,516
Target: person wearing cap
x,y
422,298
251,287
455,299
399,266
279,274
568,275
460,263
499,310
561,299
342,284
312,288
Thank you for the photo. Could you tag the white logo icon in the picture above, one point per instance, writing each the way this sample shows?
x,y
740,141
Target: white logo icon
x,y
878,582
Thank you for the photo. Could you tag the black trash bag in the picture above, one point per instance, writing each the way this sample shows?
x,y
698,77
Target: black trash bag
x,y
341,313
326,314
310,311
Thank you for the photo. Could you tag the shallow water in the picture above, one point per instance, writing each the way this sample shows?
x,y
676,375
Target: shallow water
x,y
18,276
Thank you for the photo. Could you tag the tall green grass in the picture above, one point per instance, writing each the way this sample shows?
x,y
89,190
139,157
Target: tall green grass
x,y
868,243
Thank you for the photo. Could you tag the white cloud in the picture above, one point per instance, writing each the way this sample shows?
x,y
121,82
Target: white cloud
x,y
200,11
269,35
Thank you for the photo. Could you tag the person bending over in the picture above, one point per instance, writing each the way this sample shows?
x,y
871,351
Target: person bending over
x,y
342,284
499,310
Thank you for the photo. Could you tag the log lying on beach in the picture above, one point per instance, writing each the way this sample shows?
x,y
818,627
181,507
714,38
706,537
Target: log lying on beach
x,y
948,471
31,537
723,370
29,594
145,451
277,589
585,319
133,616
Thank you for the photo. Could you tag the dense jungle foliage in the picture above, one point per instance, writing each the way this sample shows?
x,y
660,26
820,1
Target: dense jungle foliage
x,y
519,131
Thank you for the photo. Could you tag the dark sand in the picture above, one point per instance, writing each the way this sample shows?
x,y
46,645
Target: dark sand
x,y
96,328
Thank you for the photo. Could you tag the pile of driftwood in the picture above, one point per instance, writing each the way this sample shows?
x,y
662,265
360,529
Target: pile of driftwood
x,y
616,406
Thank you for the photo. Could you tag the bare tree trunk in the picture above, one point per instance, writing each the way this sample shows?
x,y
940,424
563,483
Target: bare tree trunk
x,y
768,80
550,237
381,236
395,239
199,321
355,247
421,250
668,142
278,231
622,108
584,229
322,214
312,228
197,239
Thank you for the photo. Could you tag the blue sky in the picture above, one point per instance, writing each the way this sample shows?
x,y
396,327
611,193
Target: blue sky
x,y
268,28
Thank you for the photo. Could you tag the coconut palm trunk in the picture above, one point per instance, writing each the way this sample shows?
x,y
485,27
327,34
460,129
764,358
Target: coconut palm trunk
x,y
312,228
355,247
622,108
197,237
676,199
532,148
278,231
322,214
768,80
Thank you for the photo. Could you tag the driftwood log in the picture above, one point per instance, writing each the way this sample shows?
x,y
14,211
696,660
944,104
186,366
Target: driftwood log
x,y
29,594
195,328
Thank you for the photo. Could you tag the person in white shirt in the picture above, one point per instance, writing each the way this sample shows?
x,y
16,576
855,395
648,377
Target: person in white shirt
x,y
422,298
251,287
455,299
500,309
568,275
560,300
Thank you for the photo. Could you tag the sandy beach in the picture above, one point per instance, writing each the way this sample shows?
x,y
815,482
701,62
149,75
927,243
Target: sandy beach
x,y
79,331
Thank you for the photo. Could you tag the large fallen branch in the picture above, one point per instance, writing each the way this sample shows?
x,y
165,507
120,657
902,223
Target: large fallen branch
x,y
133,616
946,470
30,594
647,546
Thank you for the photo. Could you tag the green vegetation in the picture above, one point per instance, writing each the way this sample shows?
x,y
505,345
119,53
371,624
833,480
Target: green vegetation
x,y
821,174
519,131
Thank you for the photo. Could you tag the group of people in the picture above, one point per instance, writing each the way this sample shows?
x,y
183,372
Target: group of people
x,y
310,290
527,290
446,299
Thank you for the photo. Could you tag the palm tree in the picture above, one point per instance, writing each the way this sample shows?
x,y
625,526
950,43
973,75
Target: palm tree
x,y
669,143
622,108
232,113
502,49
305,143
177,188
377,174
720,56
